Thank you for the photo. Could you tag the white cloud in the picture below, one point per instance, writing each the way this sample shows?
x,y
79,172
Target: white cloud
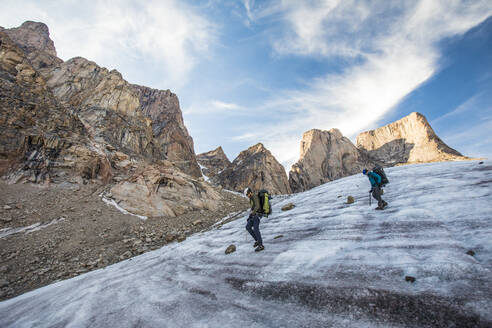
x,y
212,106
168,34
396,45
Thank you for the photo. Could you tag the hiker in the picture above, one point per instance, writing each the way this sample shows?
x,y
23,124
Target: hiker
x,y
375,180
253,225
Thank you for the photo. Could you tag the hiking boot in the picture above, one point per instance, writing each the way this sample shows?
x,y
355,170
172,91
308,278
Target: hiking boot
x,y
379,208
256,244
259,248
384,204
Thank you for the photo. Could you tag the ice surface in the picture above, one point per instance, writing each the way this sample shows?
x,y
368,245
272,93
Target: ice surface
x,y
337,265
33,227
112,202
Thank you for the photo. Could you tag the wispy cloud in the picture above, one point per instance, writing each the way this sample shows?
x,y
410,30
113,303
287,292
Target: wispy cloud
x,y
213,106
169,33
397,51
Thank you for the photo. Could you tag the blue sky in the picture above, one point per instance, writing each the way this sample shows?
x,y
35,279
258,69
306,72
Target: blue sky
x,y
267,71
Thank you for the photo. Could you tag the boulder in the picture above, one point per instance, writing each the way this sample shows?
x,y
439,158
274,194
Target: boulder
x,y
288,207
350,200
160,189
230,249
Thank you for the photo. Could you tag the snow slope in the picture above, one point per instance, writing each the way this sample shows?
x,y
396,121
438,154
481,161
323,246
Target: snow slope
x,y
337,265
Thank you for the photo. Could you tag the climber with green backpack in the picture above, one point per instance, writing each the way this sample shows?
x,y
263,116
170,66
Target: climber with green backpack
x,y
260,205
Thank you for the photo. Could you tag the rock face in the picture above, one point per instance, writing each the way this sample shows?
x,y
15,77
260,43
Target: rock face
x,y
161,190
408,140
40,140
325,156
76,122
81,83
255,168
213,162
34,39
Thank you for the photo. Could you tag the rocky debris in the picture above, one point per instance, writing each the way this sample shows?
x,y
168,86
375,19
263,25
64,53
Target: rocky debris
x,y
79,243
471,252
278,237
408,140
256,168
410,279
213,163
181,238
326,156
350,200
288,207
230,249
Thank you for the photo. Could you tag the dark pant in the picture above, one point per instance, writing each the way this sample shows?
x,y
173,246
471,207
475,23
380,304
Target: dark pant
x,y
376,193
253,227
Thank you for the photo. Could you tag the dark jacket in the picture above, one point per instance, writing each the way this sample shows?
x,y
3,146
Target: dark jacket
x,y
254,201
374,179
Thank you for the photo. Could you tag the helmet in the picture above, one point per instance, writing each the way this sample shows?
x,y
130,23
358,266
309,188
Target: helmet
x,y
364,171
247,191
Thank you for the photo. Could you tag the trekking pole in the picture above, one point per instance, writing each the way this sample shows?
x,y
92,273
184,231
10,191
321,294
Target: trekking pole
x,y
370,198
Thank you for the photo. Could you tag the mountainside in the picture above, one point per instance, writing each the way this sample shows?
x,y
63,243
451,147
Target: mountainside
x,y
408,140
75,122
99,93
213,162
325,264
256,168
325,156
40,140
110,167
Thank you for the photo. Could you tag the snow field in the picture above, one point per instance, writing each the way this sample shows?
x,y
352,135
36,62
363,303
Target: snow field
x,y
337,265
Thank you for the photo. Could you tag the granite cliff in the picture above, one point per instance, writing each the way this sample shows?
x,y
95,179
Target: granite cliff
x,y
100,95
408,140
256,168
77,122
213,163
325,156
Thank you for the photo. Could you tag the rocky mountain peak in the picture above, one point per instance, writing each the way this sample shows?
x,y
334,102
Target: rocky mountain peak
x,y
256,168
408,140
213,162
325,156
33,35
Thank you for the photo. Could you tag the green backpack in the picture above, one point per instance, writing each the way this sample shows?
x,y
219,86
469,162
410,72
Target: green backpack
x,y
265,198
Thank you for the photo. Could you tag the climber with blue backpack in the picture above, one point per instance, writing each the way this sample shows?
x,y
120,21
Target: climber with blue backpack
x,y
260,205
378,179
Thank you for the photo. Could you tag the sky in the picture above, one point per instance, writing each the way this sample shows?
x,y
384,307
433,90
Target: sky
x,y
251,71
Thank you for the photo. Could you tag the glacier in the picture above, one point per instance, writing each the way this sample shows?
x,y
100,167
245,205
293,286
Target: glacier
x,y
325,264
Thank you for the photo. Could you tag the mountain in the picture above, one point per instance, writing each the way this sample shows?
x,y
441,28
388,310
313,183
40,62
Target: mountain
x,y
101,95
408,140
325,264
213,162
326,156
256,168
76,122
40,139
